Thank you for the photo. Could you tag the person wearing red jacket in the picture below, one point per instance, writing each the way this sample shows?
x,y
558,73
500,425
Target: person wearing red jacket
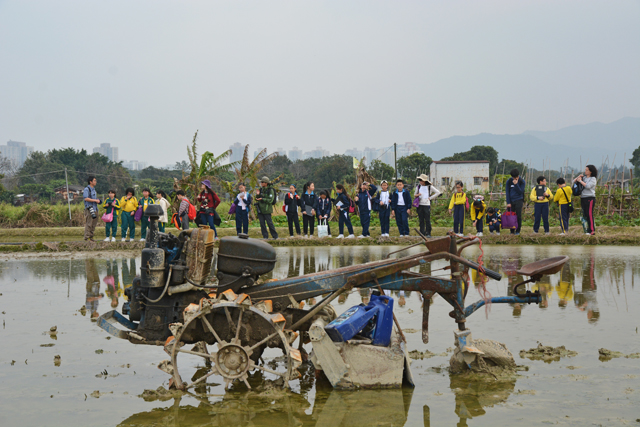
x,y
208,201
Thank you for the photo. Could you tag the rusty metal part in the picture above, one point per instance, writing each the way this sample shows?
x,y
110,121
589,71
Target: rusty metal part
x,y
543,267
199,255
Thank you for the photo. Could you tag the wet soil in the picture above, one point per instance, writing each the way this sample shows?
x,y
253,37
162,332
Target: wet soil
x,y
547,353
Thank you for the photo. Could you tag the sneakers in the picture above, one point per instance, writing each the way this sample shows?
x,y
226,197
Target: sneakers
x,y
340,237
350,236
562,234
142,240
497,233
517,234
108,239
113,239
361,236
546,232
428,236
460,235
479,234
124,239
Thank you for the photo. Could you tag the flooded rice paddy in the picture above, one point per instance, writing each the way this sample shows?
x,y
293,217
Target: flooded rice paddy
x,y
97,381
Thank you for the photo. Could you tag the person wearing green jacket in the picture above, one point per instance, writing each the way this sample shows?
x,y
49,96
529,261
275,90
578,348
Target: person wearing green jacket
x,y
265,197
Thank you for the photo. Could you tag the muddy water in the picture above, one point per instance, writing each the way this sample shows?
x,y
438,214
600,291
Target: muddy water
x,y
96,381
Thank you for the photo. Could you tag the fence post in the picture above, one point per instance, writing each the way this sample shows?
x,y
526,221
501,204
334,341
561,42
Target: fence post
x,y
68,201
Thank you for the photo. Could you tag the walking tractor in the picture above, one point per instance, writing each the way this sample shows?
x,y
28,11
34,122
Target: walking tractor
x,y
224,329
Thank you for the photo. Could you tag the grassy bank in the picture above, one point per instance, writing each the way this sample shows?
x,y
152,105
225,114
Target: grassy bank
x,y
52,239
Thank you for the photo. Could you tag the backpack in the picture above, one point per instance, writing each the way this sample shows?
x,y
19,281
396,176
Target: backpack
x,y
192,211
577,188
275,197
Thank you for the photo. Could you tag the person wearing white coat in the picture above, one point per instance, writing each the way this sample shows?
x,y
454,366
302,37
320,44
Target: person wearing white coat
x,y
161,199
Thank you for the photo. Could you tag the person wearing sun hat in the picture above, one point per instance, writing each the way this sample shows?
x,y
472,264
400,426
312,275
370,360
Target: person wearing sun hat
x,y
209,201
425,192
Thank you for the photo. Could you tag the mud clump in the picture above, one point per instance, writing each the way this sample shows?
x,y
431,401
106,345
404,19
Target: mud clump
x,y
419,355
56,360
605,355
161,394
547,353
496,360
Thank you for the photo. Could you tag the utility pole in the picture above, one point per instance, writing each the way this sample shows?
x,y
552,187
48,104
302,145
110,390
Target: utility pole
x,y
395,159
68,201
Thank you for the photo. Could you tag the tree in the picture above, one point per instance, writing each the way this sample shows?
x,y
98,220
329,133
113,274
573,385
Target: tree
x,y
635,161
505,166
409,167
477,152
380,170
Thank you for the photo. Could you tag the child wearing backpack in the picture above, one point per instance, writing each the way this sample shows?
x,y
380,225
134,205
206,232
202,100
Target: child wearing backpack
x,y
324,209
111,206
291,203
563,198
343,203
145,201
458,204
493,220
363,199
401,206
383,205
541,195
478,212
129,206
183,212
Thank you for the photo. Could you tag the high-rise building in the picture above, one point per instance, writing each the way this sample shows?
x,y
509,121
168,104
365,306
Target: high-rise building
x,y
370,154
281,152
237,152
295,154
16,151
255,153
318,153
354,152
134,165
108,151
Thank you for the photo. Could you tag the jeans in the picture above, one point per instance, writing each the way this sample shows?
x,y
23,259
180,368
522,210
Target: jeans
x,y
207,219
587,204
385,219
402,220
242,220
265,220
516,206
144,224
292,220
564,218
424,214
541,210
343,218
111,227
365,219
128,224
458,219
308,223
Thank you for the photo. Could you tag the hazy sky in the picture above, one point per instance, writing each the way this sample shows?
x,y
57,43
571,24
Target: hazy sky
x,y
144,75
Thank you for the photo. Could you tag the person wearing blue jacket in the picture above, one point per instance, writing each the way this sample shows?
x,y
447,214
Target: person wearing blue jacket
x,y
243,205
365,205
309,207
401,206
323,209
343,202
515,197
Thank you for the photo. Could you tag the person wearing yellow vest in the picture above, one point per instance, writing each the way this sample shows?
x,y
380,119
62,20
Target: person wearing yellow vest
x,y
563,198
541,195
458,204
478,211
144,201
128,206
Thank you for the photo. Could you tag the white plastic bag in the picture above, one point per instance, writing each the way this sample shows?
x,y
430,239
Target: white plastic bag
x,y
323,229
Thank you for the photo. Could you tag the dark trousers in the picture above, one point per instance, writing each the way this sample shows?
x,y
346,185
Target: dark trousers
x,y
128,223
517,208
308,223
458,219
111,227
494,227
265,220
343,218
587,204
564,218
541,210
207,219
402,220
365,220
479,225
424,214
292,219
242,221
144,224
385,219
184,219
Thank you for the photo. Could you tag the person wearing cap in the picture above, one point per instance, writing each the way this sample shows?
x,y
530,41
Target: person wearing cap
x,y
265,199
401,205
209,201
382,203
365,204
425,192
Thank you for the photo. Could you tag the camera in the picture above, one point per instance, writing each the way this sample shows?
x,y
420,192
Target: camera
x,y
92,212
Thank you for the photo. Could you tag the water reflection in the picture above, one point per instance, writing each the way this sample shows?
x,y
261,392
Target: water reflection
x,y
475,394
93,288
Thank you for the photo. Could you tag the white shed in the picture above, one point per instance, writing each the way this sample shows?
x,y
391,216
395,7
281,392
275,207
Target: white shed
x,y
473,173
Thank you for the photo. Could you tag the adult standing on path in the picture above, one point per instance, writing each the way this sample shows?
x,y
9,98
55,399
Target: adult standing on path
x,y
265,198
588,196
426,193
90,208
515,197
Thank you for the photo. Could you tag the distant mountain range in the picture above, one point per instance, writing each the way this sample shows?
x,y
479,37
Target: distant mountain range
x,y
593,141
